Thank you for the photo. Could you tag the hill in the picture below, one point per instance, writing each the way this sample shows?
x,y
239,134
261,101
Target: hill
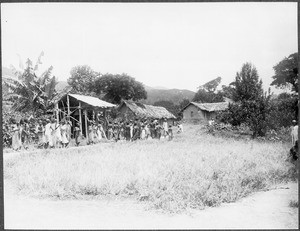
x,y
154,94
173,95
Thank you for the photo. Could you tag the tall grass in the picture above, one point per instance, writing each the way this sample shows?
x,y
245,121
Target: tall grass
x,y
194,170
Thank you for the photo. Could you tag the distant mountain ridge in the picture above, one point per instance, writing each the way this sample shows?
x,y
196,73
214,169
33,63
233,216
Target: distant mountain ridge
x,y
173,95
154,94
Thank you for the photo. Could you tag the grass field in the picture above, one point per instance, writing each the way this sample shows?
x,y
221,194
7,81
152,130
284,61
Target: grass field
x,y
194,170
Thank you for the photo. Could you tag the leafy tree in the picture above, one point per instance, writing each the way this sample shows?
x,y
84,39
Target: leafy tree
x,y
247,84
283,110
227,91
252,106
212,85
207,92
28,92
286,73
82,79
118,87
183,103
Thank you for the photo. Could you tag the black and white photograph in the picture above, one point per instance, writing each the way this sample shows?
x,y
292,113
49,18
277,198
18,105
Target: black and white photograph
x,y
150,115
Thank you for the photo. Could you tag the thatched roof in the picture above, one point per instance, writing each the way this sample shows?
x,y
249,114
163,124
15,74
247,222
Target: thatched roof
x,y
210,107
147,111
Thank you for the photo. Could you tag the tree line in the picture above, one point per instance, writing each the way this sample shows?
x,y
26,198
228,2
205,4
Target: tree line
x,y
258,109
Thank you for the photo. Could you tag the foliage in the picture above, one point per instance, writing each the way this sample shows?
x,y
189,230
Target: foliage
x,y
212,85
282,111
247,84
251,112
118,87
252,106
243,131
193,171
82,79
207,92
286,73
227,91
28,92
232,115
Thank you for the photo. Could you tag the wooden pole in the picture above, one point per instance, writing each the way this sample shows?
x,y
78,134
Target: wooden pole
x,y
86,126
80,119
57,112
68,105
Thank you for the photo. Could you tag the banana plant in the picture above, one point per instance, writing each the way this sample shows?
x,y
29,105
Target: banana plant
x,y
29,92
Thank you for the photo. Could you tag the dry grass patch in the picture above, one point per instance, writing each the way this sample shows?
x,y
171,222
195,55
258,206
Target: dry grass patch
x,y
192,171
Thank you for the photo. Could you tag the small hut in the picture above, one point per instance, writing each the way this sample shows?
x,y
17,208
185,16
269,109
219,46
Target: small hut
x,y
79,108
202,112
129,110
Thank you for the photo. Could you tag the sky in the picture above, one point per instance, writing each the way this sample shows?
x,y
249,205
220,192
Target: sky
x,y
171,45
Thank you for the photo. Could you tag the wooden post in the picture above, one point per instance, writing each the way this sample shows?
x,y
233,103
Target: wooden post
x,y
68,105
80,119
86,127
57,112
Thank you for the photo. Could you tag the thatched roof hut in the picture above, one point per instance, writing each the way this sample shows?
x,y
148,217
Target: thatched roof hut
x,y
139,110
202,111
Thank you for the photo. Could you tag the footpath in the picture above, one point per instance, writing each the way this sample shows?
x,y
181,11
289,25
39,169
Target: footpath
x,y
262,210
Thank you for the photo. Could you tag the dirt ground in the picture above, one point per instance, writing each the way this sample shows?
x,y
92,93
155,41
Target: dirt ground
x,y
262,210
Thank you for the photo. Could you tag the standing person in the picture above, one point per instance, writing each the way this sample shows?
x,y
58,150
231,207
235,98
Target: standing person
x,y
48,134
136,131
154,130
77,132
158,130
16,141
127,131
69,131
121,131
58,138
95,133
294,132
24,131
143,133
40,130
64,133
90,133
103,135
180,128
110,131
98,132
165,127
170,133
147,131
52,138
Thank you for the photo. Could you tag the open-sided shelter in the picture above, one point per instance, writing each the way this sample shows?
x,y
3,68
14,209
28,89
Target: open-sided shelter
x,y
81,108
202,112
130,110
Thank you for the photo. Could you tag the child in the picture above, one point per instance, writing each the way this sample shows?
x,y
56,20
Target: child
x,y
77,134
143,133
170,133
180,128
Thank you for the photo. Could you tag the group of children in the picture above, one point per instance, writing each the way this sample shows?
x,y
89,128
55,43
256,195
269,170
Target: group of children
x,y
46,134
131,130
49,133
